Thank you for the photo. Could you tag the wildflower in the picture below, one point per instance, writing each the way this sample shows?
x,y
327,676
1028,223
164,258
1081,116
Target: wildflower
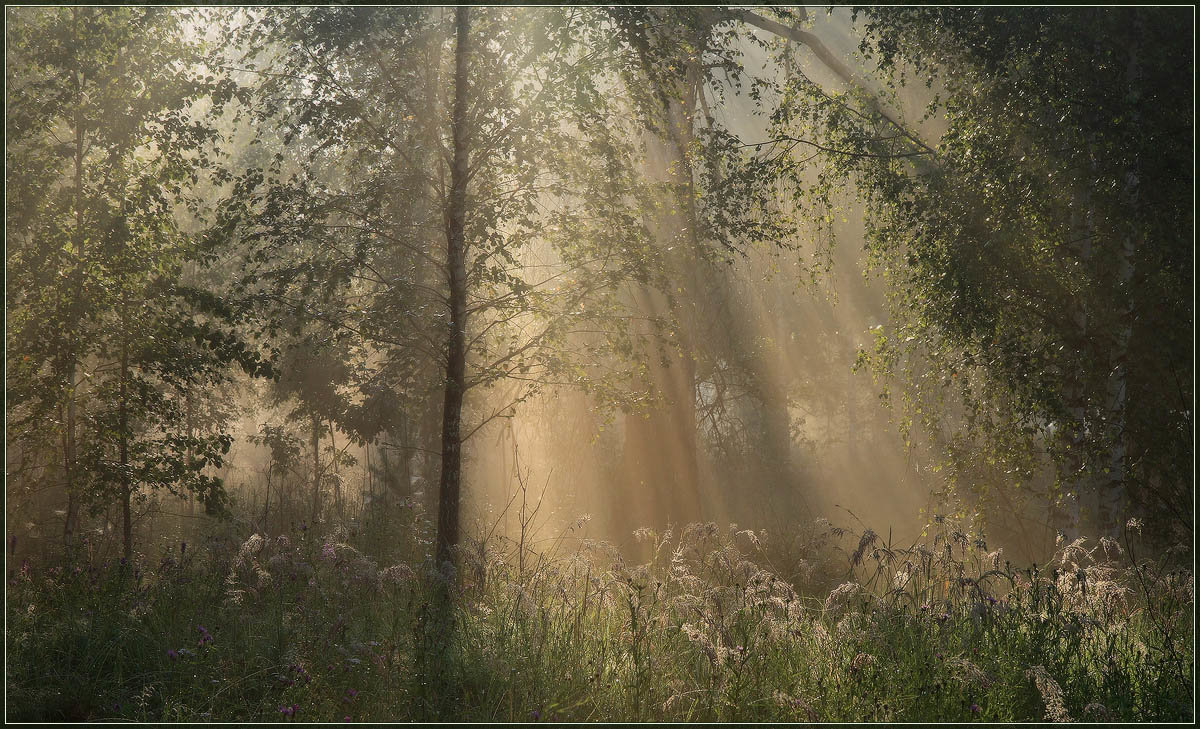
x,y
172,654
975,708
1052,694
397,574
327,552
967,673
346,719
1134,524
182,548
535,715
289,710
842,596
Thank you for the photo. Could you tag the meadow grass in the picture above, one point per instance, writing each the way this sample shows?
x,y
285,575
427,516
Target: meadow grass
x,y
718,624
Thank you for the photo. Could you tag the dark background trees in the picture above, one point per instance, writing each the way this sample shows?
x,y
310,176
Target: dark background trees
x,y
1044,259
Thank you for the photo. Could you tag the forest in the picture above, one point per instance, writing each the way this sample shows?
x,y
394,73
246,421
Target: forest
x,y
573,364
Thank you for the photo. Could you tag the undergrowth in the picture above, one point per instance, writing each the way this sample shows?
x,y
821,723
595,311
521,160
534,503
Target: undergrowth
x,y
311,627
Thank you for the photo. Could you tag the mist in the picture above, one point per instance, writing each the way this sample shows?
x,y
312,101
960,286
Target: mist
x,y
644,348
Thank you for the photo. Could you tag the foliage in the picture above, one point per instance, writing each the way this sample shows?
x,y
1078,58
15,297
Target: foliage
x,y
1036,247
311,628
365,212
289,192
106,140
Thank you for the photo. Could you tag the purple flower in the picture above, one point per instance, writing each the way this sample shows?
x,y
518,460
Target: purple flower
x,y
327,551
172,654
535,715
975,709
346,719
182,548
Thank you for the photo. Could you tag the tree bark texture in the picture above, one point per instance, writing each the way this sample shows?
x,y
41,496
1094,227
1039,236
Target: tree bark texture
x,y
450,483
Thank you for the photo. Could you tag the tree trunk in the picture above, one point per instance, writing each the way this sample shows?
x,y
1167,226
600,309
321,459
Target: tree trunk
x,y
266,515
316,453
370,472
662,451
191,432
337,484
1114,495
123,457
1076,394
69,444
450,485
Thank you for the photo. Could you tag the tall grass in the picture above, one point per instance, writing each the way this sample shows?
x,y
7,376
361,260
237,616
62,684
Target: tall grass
x,y
719,624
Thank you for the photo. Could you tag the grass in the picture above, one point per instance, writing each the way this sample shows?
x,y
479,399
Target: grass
x,y
717,625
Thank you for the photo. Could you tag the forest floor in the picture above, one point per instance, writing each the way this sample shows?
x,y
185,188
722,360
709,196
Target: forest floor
x,y
307,627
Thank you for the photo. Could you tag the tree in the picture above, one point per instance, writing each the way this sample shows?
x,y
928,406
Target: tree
x,y
989,234
1038,250
102,148
382,204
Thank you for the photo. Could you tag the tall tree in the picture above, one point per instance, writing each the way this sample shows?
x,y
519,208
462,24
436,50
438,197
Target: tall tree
x,y
419,204
450,484
1038,249
103,147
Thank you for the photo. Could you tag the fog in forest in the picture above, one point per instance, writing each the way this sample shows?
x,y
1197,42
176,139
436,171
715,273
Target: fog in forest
x,y
473,310
807,312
